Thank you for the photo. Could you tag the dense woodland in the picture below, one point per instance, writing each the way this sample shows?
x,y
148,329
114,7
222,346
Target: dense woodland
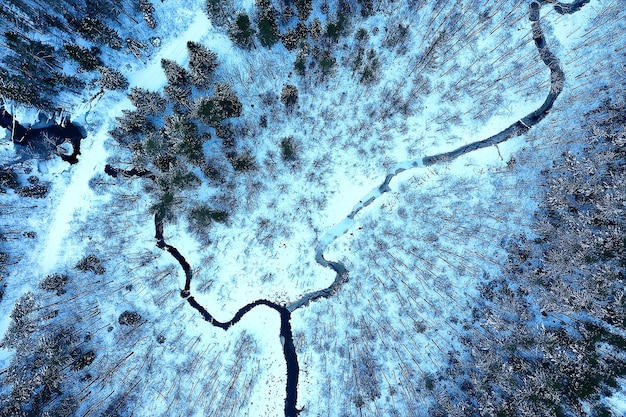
x,y
62,47
547,336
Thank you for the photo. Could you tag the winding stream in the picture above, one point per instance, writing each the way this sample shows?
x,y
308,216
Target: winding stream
x,y
557,78
520,127
289,349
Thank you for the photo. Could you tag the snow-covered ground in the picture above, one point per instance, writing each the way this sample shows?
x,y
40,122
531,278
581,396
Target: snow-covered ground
x,y
415,255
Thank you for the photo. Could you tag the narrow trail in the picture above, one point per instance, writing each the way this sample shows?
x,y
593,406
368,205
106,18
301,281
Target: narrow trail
x,y
520,127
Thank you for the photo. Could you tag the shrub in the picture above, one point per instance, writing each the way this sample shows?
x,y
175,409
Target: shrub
x,y
287,149
289,96
91,263
129,318
54,283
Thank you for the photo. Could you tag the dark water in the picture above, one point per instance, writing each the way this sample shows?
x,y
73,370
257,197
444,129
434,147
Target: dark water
x,y
44,140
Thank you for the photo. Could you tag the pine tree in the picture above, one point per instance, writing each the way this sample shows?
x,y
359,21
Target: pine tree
x,y
303,8
289,96
88,59
147,10
202,64
147,102
111,79
268,29
97,31
219,11
241,32
176,74
224,104
102,9
290,39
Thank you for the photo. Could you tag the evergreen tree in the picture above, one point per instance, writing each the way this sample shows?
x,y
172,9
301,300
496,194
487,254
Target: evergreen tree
x,y
219,11
202,64
30,74
176,74
101,9
147,102
97,31
268,29
289,96
147,10
111,79
303,8
224,104
290,39
88,59
179,95
242,33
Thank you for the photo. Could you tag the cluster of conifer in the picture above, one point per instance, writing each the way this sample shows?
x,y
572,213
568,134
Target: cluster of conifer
x,y
60,46
312,36
168,133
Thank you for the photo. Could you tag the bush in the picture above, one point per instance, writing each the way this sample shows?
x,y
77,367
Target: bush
x,y
91,263
287,149
289,96
129,318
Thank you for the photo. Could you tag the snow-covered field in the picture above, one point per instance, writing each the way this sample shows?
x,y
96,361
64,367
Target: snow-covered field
x,y
415,255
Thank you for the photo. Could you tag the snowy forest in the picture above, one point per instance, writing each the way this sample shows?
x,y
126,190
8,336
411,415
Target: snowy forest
x,y
312,208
